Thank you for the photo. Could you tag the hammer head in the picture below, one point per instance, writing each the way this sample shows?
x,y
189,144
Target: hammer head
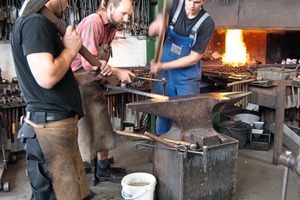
x,y
31,6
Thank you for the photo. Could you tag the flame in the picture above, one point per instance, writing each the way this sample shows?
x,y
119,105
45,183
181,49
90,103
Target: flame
x,y
235,49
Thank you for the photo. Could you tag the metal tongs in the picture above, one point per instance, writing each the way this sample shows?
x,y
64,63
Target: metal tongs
x,y
181,150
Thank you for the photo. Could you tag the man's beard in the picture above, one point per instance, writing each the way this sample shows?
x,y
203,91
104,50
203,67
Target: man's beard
x,y
118,26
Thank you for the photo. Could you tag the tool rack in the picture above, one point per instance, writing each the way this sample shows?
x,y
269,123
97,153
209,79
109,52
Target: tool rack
x,y
12,107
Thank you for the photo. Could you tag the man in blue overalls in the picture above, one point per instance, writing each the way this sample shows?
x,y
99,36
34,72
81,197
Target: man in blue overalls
x,y
189,32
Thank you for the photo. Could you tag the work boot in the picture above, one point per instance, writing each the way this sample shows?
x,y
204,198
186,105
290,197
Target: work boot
x,y
108,174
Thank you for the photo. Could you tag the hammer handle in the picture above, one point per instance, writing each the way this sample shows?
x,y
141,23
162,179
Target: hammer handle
x,y
161,140
61,28
143,136
240,82
161,35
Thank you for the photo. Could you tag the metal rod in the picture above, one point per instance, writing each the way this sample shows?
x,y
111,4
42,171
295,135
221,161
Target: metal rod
x,y
285,183
147,94
149,79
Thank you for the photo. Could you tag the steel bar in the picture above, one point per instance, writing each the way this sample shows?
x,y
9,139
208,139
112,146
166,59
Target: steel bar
x,y
285,183
147,94
149,79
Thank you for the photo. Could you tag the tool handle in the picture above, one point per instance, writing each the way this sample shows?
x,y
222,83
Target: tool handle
x,y
143,136
133,135
240,82
160,140
161,35
61,28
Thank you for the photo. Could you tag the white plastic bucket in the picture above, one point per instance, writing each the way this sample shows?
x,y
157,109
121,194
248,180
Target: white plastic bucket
x,y
247,118
138,186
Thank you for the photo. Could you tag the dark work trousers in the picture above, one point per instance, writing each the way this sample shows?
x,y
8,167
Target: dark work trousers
x,y
38,174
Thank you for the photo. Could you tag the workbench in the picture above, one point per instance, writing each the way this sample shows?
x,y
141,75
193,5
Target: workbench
x,y
273,97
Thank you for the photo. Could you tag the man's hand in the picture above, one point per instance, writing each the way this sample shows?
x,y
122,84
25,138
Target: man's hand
x,y
155,67
106,69
98,74
123,75
72,40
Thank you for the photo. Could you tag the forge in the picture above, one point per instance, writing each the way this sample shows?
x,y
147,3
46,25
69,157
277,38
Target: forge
x,y
270,34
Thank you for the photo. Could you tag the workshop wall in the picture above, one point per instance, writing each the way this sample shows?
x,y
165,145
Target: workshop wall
x,y
129,52
6,62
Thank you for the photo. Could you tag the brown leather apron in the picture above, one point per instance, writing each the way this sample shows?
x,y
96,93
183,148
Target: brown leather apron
x,y
58,141
95,129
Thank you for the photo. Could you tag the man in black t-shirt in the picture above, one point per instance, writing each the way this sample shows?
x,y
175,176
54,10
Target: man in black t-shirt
x,y
50,89
189,32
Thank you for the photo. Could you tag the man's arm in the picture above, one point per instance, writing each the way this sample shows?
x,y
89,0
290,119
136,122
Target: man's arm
x,y
46,69
183,62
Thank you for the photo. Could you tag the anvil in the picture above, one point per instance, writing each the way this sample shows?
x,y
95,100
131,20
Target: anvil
x,y
192,176
190,116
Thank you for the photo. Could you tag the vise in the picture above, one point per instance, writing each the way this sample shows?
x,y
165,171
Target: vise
x,y
208,176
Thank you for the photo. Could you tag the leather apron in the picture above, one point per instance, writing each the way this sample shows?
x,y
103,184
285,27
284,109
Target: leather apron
x,y
95,128
58,141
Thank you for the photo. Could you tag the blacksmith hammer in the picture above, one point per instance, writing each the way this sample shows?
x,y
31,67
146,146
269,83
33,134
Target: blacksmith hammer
x,y
161,37
33,6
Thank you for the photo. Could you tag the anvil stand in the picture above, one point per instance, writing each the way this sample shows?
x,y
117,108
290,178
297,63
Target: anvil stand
x,y
187,175
291,161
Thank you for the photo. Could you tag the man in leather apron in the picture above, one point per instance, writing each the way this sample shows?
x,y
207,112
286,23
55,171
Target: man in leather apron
x,y
95,130
53,105
189,32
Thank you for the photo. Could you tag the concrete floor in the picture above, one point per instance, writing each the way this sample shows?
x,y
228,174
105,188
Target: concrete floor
x,y
257,178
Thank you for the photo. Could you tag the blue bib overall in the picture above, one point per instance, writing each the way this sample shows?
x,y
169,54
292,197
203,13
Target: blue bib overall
x,y
182,81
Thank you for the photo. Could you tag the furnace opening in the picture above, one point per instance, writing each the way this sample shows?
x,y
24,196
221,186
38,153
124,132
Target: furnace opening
x,y
260,47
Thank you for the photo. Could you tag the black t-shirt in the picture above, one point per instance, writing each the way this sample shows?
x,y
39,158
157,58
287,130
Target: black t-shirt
x,y
34,34
184,25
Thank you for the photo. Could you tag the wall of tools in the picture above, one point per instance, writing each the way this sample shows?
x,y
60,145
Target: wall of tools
x,y
8,16
78,9
137,25
12,107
